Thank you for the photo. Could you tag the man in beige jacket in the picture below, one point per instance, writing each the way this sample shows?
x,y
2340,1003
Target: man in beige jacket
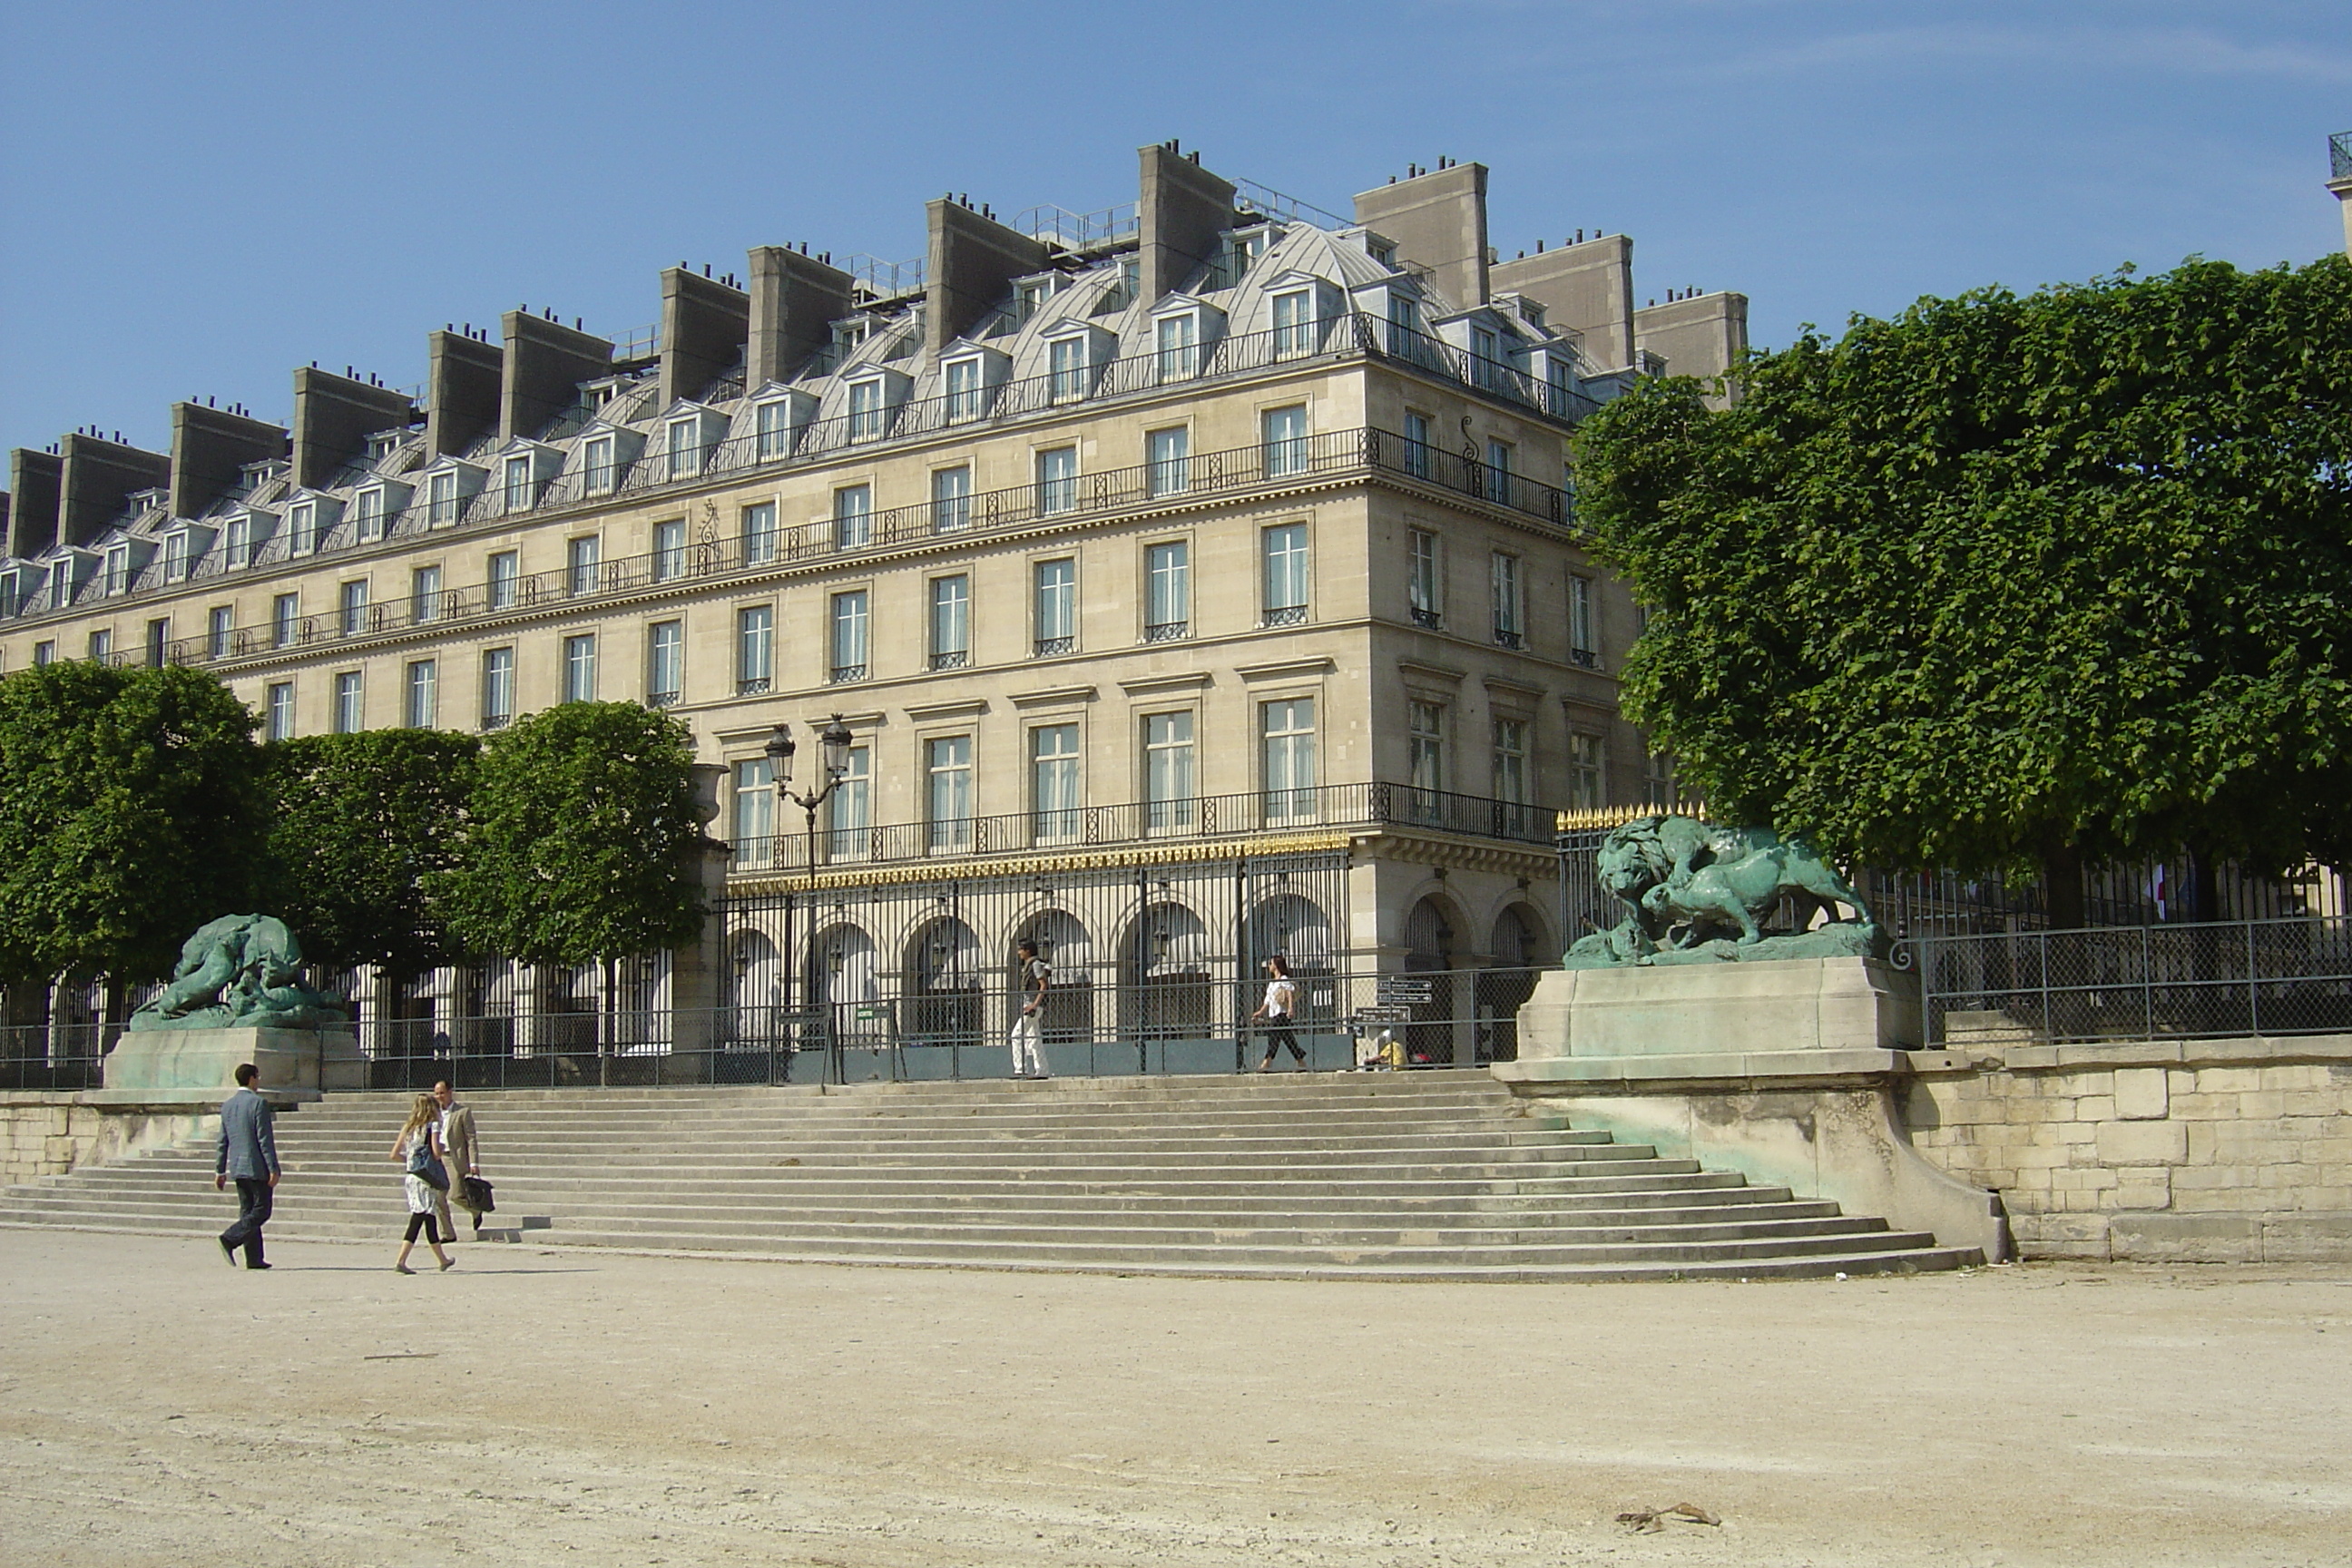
x,y
457,1141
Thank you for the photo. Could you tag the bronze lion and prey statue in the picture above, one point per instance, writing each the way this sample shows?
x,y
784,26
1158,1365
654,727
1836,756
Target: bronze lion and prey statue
x,y
241,972
1698,893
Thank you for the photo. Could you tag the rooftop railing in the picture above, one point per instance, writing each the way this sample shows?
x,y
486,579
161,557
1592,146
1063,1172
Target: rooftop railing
x,y
1191,819
2339,156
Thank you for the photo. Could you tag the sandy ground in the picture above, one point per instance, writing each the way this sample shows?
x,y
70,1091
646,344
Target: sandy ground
x,y
534,1407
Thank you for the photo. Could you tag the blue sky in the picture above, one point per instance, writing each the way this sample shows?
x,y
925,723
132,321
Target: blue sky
x,y
194,199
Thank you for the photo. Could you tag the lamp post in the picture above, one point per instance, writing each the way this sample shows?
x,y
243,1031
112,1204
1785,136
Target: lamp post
x,y
834,750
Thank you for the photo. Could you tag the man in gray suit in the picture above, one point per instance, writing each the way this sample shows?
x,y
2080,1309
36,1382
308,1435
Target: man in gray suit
x,y
248,1155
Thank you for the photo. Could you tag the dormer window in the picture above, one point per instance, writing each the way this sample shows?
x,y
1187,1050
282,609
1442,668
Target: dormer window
x,y
118,568
1066,363
775,429
866,409
240,542
370,524
381,445
175,555
1485,356
1294,327
963,391
685,449
301,528
1404,311
1030,298
597,454
1177,341
441,498
517,487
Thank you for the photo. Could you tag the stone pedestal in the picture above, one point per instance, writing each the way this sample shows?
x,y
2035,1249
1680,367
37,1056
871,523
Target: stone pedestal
x,y
1783,1070
296,1064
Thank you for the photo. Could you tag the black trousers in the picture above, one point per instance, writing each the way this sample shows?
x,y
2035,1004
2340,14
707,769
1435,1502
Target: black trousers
x,y
252,1213
425,1223
1279,1036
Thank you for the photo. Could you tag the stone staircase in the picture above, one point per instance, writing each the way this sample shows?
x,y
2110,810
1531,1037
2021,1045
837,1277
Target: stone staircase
x,y
1406,1176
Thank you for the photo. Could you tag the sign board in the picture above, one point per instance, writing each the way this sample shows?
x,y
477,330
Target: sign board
x,y
872,1014
1383,1014
1407,990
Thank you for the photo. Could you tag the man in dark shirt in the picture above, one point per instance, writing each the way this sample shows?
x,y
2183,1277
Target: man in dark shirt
x,y
248,1155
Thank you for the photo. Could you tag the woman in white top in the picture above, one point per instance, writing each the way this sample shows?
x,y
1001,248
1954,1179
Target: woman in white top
x,y
421,1134
1280,1006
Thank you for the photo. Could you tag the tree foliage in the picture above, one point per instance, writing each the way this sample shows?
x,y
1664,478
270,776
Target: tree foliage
x,y
583,839
363,824
131,813
2009,580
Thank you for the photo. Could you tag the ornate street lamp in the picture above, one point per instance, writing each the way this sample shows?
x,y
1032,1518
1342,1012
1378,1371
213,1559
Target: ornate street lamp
x,y
833,746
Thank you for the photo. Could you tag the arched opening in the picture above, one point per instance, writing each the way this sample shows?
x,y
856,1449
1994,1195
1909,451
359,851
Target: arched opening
x,y
1296,929
1518,947
943,1002
1167,993
756,993
1430,937
1063,942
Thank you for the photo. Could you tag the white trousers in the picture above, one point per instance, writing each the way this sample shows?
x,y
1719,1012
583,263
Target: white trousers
x,y
1029,1045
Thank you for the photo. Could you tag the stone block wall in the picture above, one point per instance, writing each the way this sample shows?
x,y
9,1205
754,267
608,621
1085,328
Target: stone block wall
x,y
2212,1151
51,1134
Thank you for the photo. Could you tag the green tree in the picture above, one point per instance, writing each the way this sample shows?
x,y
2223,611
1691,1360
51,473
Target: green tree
x,y
363,824
583,842
2010,581
131,813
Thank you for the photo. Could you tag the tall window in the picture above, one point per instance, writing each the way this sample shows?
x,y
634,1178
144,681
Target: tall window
x,y
423,684
670,550
853,516
759,533
218,625
425,595
1583,648
506,572
518,483
1504,578
583,557
775,429
1404,322
964,389
1498,473
45,654
281,711
755,812
1425,741
159,639
118,569
175,555
1421,579
755,650
1170,802
685,447
950,622
1056,612
1511,760
579,668
348,698
369,505
1586,789
1658,779
353,602
849,809
952,499
864,410
1053,780
1485,369
497,688
1057,480
1171,456
665,663
1293,333
597,458
946,762
102,644
1285,430
1167,591
301,528
284,611
1287,757
1284,549
1177,338
240,541
849,635
1066,368
1416,444
441,498
1559,380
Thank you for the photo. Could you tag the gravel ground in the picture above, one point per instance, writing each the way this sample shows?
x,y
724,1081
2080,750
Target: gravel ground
x,y
538,1405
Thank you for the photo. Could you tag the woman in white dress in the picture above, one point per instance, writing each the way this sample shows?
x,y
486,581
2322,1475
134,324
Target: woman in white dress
x,y
421,1134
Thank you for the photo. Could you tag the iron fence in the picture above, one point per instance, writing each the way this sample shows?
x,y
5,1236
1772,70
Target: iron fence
x,y
2289,976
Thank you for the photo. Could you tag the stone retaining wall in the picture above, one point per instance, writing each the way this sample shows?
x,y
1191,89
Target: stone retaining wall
x,y
2206,1150
50,1135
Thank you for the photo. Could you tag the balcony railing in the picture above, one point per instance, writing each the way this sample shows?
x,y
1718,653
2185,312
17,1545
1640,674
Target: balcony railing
x,y
2339,156
1155,821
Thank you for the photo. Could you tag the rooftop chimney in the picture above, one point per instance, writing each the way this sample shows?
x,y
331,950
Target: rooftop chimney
x,y
333,417
1183,208
35,482
1438,219
704,326
795,300
97,476
209,446
463,380
545,363
1701,336
1587,288
971,261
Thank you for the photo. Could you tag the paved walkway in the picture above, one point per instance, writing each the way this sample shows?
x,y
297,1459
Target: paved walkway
x,y
534,1408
